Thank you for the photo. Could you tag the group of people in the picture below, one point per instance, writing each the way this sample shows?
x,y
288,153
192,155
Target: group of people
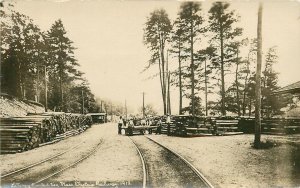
x,y
149,121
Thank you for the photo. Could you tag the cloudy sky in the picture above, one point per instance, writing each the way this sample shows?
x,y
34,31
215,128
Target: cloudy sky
x,y
108,35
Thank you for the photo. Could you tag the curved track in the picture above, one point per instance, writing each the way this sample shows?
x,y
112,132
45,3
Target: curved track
x,y
145,174
166,167
38,163
69,166
199,174
21,175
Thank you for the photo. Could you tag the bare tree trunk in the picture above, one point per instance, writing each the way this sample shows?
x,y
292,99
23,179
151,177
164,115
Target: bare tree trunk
x,y
180,83
250,107
206,110
237,85
223,111
192,70
258,81
245,87
161,83
263,109
161,40
167,82
61,91
38,85
169,99
21,95
46,88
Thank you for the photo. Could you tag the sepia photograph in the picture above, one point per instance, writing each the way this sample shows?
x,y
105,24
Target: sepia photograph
x,y
150,93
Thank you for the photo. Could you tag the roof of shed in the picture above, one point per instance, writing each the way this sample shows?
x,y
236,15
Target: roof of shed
x,y
292,88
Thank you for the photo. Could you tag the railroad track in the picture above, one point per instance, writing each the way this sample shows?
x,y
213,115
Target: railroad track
x,y
191,176
145,174
5,179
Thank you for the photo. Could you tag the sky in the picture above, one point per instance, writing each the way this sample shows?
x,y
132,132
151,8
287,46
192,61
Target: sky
x,y
108,35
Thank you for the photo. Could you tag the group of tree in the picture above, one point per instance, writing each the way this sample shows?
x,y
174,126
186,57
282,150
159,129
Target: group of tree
x,y
40,65
212,71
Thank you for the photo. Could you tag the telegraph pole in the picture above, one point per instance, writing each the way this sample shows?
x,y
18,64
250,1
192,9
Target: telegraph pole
x,y
143,104
82,101
257,136
206,110
111,111
125,109
169,100
167,86
46,88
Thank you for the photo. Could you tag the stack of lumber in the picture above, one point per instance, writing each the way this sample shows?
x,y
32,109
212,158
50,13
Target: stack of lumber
x,y
202,127
247,124
273,126
281,126
226,126
164,125
293,125
28,132
21,133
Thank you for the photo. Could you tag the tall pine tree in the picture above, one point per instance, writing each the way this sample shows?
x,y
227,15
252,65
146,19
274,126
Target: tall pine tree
x,y
156,34
190,15
221,21
62,62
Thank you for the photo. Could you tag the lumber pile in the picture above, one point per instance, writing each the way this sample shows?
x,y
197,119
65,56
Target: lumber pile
x,y
226,125
281,126
247,124
202,126
24,133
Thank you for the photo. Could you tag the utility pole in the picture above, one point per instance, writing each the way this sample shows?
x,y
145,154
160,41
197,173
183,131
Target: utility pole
x,y
143,104
101,106
46,88
125,109
169,100
258,80
167,80
82,101
111,114
192,72
206,110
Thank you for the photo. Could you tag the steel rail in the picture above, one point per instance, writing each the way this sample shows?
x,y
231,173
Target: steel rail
x,y
40,162
71,165
145,174
194,169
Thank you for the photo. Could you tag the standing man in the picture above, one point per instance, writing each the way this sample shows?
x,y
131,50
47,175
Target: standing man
x,y
159,124
124,123
120,123
168,121
143,122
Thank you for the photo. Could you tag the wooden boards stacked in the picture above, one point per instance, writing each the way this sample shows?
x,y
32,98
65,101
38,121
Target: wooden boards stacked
x,y
24,133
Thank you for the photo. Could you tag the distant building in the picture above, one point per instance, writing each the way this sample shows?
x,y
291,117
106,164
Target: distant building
x,y
98,117
293,89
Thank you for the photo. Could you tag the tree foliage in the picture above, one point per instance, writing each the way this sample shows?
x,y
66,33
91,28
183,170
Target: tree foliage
x,y
156,34
221,24
210,53
27,52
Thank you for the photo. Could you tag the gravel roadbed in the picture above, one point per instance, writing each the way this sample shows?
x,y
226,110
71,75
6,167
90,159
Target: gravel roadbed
x,y
164,168
116,160
230,161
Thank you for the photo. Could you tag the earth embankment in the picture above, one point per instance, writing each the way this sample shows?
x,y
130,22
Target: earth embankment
x,y
11,107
